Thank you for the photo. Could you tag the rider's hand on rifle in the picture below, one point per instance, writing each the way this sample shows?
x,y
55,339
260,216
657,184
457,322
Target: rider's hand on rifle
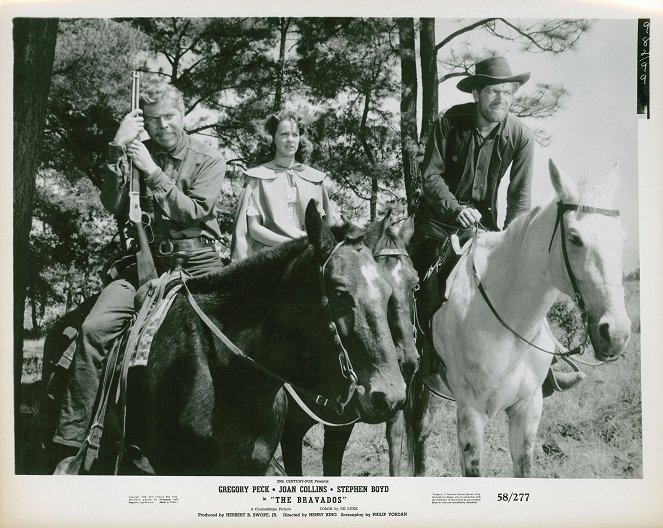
x,y
468,217
139,154
130,128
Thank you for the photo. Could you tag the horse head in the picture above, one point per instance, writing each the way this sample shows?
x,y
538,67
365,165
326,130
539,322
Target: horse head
x,y
357,295
388,244
593,239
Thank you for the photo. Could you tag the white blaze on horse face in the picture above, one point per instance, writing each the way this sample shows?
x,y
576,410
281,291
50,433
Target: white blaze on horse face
x,y
597,263
372,276
397,274
600,274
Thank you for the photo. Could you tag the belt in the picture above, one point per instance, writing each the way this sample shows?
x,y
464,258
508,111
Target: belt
x,y
167,247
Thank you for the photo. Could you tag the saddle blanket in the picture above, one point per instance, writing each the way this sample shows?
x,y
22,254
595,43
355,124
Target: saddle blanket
x,y
156,311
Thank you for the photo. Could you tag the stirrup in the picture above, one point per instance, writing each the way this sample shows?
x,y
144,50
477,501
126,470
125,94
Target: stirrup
x,y
563,381
436,385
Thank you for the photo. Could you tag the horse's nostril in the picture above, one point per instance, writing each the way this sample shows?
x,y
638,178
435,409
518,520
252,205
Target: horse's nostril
x,y
381,403
604,332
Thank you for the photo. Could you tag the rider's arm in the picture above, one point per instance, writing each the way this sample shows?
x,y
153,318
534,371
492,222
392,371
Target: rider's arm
x,y
519,192
202,193
435,189
264,235
115,190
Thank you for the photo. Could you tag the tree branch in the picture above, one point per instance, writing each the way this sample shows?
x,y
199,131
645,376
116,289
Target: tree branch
x,y
465,29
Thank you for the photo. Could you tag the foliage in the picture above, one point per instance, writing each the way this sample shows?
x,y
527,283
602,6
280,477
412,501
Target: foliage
x,y
89,94
566,318
68,244
342,75
357,126
633,275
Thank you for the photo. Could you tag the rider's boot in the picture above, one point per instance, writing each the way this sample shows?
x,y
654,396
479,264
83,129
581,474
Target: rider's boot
x,y
561,381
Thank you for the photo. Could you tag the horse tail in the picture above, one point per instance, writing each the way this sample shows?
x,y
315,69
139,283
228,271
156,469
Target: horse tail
x,y
412,404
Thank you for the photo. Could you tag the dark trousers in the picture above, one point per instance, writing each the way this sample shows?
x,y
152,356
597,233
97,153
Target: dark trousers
x,y
110,314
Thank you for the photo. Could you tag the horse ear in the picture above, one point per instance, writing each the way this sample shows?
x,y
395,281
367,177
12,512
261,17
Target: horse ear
x,y
376,230
564,186
318,232
407,230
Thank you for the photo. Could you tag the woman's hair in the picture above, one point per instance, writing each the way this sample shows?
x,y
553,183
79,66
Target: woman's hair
x,y
156,90
272,123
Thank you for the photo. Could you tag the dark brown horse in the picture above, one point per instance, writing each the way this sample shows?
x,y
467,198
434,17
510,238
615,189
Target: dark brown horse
x,y
209,412
212,413
389,249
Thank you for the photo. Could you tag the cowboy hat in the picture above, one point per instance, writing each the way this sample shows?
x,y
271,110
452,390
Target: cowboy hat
x,y
494,70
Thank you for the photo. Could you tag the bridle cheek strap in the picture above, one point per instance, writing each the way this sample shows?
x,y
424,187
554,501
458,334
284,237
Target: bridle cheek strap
x,y
561,209
343,357
559,221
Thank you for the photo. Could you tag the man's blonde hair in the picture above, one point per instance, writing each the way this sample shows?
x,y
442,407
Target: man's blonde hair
x,y
157,90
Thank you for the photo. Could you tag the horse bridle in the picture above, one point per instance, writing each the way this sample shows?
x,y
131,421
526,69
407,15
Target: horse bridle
x,y
343,357
578,298
340,403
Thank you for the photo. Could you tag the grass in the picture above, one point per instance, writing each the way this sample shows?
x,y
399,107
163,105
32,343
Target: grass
x,y
592,431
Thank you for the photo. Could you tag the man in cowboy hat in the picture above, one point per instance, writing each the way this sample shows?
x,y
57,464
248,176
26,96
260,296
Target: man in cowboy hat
x,y
468,153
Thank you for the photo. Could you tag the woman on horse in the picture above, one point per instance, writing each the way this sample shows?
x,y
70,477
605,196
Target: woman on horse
x,y
275,194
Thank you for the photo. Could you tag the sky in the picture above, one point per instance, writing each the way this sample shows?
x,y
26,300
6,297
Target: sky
x,y
597,124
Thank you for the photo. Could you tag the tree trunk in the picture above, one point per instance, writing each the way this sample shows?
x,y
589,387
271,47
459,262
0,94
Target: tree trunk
x,y
34,50
363,134
409,136
33,310
284,24
429,85
374,195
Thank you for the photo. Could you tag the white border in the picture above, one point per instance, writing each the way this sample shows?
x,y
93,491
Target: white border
x,y
100,501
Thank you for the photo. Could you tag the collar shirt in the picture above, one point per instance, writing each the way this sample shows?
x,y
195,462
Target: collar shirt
x,y
284,188
279,195
480,154
181,194
459,169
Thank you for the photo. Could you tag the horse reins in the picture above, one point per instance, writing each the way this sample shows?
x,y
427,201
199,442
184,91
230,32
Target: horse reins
x,y
340,403
578,299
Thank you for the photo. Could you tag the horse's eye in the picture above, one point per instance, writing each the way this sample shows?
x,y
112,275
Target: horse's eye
x,y
340,295
575,240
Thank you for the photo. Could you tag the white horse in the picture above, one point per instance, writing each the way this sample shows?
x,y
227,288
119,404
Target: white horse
x,y
522,270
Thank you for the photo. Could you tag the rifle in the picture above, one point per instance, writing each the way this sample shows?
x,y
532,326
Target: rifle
x,y
144,261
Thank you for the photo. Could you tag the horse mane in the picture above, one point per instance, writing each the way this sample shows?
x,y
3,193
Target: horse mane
x,y
378,238
390,239
514,235
251,281
261,272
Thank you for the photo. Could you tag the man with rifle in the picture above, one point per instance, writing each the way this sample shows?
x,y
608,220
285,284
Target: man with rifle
x,y
180,179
